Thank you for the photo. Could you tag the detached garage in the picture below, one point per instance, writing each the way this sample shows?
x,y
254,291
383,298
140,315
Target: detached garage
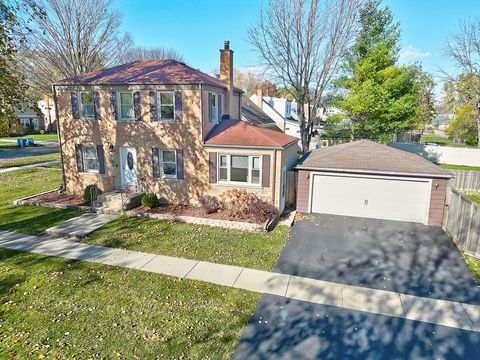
x,y
366,179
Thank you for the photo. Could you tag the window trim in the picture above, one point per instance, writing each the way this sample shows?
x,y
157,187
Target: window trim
x,y
80,106
84,158
159,106
119,106
160,159
250,169
214,110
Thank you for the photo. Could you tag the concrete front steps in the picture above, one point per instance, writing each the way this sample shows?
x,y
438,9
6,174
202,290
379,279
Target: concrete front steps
x,y
114,203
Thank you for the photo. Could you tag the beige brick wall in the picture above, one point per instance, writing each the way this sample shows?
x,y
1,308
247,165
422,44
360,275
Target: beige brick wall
x,y
437,202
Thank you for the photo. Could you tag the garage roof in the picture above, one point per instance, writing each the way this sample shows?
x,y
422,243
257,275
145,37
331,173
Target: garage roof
x,y
366,156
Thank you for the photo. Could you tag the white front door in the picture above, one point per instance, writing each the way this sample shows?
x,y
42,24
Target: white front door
x,y
128,166
283,188
380,198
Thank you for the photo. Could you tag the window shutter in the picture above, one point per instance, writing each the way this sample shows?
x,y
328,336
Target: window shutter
x,y
79,157
266,170
178,105
113,105
212,167
180,166
156,163
137,108
219,117
152,101
96,105
101,159
75,109
209,107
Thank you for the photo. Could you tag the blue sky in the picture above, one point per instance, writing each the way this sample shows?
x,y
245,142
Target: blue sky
x,y
197,28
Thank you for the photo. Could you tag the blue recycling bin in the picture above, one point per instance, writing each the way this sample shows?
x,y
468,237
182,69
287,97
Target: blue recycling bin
x,y
30,142
24,142
19,142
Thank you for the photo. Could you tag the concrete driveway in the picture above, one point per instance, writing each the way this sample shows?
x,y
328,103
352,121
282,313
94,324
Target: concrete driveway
x,y
404,257
408,258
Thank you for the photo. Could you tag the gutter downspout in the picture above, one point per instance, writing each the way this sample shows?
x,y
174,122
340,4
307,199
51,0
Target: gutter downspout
x,y
274,175
55,101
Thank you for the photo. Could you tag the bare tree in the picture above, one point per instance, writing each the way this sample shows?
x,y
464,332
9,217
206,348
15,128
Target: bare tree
x,y
302,43
74,37
155,53
463,47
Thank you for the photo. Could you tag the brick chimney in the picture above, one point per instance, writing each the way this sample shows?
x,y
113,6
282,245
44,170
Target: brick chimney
x,y
260,98
226,74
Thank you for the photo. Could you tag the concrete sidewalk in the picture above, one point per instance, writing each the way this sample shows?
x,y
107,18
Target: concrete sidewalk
x,y
440,312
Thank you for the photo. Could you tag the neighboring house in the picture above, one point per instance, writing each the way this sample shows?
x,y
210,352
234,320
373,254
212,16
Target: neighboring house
x,y
366,179
441,121
252,114
27,119
47,107
164,127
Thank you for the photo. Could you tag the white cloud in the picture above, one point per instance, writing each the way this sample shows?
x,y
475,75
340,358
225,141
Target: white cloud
x,y
413,53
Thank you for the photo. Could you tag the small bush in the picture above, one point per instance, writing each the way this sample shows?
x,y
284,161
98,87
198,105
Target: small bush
x,y
236,202
210,204
91,193
263,210
150,200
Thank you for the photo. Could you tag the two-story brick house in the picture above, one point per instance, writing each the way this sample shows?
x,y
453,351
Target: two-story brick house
x,y
164,127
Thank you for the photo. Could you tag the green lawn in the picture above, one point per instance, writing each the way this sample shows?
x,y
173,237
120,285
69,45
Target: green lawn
x,y
6,163
36,137
460,167
60,308
29,219
231,247
427,137
474,265
473,197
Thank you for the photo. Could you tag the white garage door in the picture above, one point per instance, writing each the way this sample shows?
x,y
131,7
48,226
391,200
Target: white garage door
x,y
391,199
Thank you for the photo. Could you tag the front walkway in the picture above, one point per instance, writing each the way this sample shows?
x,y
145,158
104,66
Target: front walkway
x,y
40,164
440,312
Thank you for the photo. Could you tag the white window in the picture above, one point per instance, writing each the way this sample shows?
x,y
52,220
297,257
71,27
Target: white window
x,y
90,158
239,169
166,105
168,164
125,106
214,108
86,105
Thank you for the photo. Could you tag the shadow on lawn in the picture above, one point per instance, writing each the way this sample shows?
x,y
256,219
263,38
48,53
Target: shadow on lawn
x,y
33,220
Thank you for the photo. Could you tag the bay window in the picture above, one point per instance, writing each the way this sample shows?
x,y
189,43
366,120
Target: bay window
x,y
239,169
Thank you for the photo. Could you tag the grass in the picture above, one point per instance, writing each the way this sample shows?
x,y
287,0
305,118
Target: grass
x,y
473,197
226,246
474,265
12,162
29,219
460,167
60,308
436,139
36,137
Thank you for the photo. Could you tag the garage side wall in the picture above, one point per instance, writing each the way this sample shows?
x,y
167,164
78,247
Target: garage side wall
x,y
437,202
303,190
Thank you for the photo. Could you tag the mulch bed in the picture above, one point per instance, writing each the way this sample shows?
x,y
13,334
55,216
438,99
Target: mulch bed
x,y
59,198
196,211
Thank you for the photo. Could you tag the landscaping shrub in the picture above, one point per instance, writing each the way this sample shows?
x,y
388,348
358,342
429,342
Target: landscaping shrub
x,y
91,193
239,203
150,200
210,204
263,210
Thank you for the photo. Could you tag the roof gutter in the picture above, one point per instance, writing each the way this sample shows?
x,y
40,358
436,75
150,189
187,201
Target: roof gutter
x,y
360,171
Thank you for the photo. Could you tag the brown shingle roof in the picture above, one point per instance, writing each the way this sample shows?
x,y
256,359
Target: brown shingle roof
x,y
146,72
365,156
240,133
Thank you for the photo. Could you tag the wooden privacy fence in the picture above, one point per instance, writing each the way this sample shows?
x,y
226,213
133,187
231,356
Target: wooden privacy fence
x,y
291,189
462,222
466,181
